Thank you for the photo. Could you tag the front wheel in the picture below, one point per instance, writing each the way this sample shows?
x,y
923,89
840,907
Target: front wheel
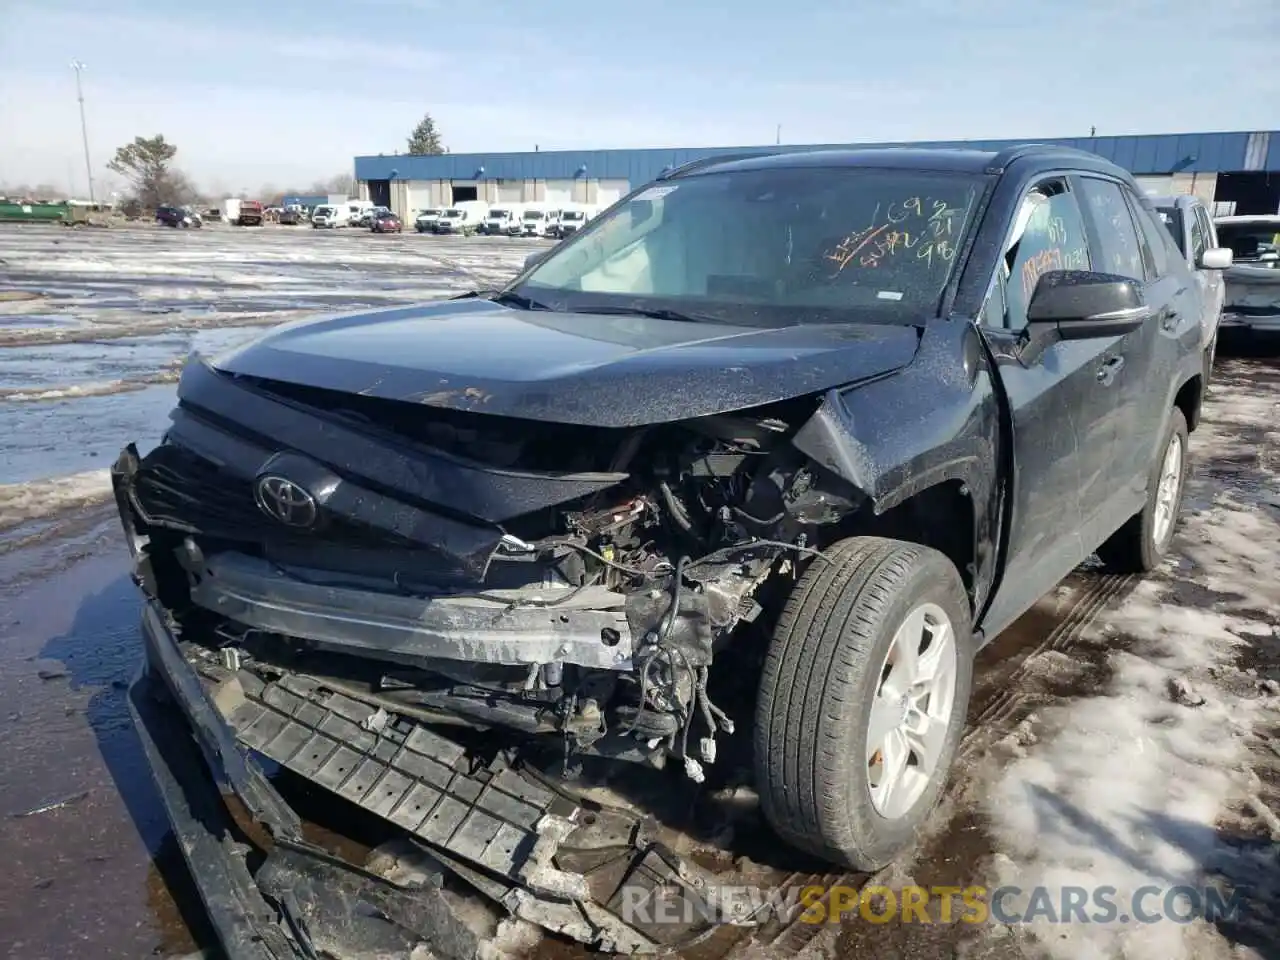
x,y
1142,543
862,700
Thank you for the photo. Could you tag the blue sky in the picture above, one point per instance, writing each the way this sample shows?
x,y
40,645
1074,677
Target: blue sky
x,y
288,91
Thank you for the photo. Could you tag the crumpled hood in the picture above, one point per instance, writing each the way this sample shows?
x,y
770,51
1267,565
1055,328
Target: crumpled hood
x,y
606,371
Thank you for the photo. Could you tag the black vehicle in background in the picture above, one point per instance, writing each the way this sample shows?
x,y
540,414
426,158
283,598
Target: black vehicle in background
x,y
754,462
175,216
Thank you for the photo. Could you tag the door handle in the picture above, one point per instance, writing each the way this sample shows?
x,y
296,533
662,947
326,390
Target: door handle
x,y
1107,372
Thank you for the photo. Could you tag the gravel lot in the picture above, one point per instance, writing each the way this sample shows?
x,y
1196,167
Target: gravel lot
x,y
1122,733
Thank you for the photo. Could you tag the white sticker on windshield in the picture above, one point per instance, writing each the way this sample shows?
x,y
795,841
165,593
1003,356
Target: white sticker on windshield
x,y
655,193
889,295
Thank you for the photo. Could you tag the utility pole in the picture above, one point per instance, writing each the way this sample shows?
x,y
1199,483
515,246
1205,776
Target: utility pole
x,y
779,138
78,67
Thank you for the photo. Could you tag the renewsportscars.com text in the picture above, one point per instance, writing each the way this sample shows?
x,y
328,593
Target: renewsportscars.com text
x,y
941,904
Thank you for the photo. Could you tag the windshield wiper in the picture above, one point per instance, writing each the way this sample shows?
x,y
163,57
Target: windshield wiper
x,y
657,313
506,298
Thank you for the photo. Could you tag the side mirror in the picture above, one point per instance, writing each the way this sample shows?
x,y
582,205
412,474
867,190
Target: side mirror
x,y
535,258
1216,258
1082,304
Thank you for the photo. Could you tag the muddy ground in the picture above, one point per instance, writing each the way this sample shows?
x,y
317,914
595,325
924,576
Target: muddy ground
x,y
1121,733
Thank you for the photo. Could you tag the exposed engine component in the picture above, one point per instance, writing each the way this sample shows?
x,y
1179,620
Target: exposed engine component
x,y
596,620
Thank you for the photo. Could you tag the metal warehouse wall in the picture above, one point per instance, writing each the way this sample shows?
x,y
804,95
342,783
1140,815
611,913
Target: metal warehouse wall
x,y
1146,154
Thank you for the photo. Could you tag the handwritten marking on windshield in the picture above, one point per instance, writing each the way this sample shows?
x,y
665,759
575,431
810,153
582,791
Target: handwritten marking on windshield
x,y
848,248
930,237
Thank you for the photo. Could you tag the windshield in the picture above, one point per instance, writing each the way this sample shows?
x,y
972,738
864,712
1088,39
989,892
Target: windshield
x,y
324,211
787,245
497,214
571,215
1171,217
1251,241
533,214
429,213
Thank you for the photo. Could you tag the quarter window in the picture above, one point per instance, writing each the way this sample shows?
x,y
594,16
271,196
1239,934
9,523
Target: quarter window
x,y
1119,249
1048,234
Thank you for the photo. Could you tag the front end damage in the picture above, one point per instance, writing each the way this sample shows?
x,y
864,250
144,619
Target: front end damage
x,y
350,587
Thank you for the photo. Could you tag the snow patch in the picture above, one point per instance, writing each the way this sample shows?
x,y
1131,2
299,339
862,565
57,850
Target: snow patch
x,y
21,502
1129,788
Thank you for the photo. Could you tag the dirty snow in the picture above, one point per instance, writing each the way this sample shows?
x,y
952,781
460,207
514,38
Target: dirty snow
x,y
21,502
1138,785
94,326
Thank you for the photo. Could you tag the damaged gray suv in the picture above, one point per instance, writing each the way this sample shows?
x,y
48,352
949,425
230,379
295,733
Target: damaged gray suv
x,y
758,459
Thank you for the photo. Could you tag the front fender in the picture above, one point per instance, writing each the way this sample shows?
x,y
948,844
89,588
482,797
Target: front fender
x,y
935,420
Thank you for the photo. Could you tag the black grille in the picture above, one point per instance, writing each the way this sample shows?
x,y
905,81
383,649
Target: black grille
x,y
176,487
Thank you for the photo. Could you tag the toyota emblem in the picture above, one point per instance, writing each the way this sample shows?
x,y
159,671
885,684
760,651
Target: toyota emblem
x,y
284,500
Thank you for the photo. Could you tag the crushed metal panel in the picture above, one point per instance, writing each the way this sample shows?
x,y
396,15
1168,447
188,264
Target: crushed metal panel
x,y
534,850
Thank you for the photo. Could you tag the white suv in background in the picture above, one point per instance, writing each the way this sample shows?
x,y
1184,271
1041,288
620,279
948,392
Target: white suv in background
x,y
1253,282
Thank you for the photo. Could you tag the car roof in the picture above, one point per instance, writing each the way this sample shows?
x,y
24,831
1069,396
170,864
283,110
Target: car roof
x,y
942,159
1260,218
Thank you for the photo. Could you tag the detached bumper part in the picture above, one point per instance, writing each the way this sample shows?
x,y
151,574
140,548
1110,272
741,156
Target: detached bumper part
x,y
532,849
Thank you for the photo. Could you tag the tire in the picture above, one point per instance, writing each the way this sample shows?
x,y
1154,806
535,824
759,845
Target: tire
x,y
824,667
1142,543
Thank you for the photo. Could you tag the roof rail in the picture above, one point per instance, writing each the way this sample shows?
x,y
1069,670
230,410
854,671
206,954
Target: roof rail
x,y
701,162
1003,158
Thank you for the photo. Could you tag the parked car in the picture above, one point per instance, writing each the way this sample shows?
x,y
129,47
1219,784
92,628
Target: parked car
x,y
250,214
367,218
292,215
1253,280
534,220
798,432
501,221
462,218
174,216
386,222
574,218
328,217
425,221
1191,227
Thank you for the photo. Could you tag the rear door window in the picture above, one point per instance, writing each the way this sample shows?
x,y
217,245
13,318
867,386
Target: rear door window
x,y
1119,248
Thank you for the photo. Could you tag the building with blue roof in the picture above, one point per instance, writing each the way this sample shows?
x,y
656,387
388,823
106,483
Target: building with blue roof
x,y
1236,172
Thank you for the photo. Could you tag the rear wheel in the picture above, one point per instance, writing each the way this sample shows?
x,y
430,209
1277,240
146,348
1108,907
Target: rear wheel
x,y
862,700
1142,543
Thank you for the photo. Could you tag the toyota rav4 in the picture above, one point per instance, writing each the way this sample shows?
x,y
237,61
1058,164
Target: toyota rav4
x,y
761,457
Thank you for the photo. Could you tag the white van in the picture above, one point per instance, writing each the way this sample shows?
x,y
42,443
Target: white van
x,y
328,217
552,228
425,221
573,218
464,218
534,220
502,220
